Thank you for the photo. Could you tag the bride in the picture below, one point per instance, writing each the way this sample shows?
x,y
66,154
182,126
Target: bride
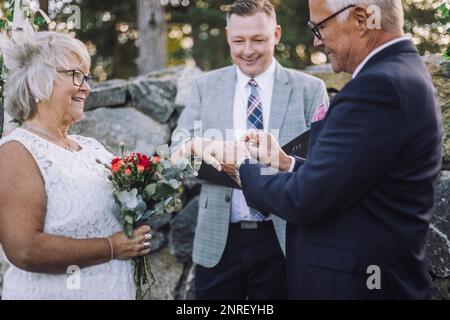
x,y
56,206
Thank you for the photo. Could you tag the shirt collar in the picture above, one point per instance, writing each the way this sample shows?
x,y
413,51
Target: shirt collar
x,y
261,79
374,52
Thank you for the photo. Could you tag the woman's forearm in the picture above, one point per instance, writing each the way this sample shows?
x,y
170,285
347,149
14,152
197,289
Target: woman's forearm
x,y
54,254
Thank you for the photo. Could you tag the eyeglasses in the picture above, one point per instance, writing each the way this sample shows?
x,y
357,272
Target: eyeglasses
x,y
78,77
315,27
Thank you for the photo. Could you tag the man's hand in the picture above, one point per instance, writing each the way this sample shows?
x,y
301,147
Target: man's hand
x,y
264,147
218,153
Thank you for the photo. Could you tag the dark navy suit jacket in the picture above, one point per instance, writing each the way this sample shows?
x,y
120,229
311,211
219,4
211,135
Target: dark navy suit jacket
x,y
364,195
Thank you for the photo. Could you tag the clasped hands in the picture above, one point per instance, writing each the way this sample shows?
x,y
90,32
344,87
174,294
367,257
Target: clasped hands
x,y
254,144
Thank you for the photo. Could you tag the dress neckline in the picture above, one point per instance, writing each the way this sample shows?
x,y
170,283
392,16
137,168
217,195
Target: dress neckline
x,y
54,144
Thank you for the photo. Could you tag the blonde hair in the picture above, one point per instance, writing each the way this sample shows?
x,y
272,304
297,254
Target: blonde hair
x,y
245,8
32,60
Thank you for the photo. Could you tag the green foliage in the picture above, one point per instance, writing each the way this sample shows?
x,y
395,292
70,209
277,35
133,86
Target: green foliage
x,y
444,18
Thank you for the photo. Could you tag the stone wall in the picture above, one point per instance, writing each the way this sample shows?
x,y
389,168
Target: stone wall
x,y
142,112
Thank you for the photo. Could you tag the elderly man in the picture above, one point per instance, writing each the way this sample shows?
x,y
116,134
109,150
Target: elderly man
x,y
358,208
238,254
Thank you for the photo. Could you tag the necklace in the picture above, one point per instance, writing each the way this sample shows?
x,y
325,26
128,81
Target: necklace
x,y
42,132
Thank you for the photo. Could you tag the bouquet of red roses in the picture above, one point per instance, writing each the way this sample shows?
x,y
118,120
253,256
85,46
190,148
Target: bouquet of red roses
x,y
143,187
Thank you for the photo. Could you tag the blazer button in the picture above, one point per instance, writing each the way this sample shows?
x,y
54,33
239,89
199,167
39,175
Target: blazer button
x,y
227,198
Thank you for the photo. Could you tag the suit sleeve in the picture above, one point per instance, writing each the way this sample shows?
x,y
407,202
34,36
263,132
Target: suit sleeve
x,y
190,114
359,141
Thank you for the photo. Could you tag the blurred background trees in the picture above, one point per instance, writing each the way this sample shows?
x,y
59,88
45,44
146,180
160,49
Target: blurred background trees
x,y
126,38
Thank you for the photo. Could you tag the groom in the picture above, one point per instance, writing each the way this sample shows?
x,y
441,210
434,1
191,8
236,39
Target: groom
x,y
358,208
238,256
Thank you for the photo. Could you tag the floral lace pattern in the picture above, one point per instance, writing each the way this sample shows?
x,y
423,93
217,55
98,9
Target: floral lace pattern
x,y
79,205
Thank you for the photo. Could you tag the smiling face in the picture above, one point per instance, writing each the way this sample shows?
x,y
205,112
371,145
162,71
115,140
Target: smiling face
x,y
67,99
341,42
252,40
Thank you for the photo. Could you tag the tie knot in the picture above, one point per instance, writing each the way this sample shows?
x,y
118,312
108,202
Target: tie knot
x,y
253,83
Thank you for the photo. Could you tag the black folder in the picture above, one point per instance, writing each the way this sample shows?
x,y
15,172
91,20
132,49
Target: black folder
x,y
297,147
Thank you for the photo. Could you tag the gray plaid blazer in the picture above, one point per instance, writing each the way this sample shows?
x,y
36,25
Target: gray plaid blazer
x,y
295,98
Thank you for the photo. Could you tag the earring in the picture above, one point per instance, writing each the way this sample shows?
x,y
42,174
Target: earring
x,y
37,100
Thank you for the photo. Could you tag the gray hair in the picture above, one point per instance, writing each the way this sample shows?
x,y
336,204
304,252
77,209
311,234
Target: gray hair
x,y
32,60
392,14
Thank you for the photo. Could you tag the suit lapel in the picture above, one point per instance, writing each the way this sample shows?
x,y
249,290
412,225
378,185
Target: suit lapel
x,y
282,89
225,92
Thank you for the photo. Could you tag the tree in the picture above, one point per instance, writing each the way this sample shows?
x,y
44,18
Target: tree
x,y
152,36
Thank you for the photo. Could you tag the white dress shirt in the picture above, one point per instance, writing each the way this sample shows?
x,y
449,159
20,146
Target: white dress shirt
x,y
239,209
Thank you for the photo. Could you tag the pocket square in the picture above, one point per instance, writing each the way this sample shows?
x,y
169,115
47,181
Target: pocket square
x,y
320,113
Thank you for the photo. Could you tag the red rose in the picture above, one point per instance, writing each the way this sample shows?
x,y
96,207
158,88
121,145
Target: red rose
x,y
143,161
116,164
127,171
140,168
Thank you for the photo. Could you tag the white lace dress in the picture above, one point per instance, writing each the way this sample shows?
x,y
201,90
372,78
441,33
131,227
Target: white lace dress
x,y
79,205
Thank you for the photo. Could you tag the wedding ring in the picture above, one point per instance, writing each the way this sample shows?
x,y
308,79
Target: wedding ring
x,y
147,236
146,244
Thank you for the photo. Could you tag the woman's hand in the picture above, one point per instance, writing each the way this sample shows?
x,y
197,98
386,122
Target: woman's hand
x,y
126,248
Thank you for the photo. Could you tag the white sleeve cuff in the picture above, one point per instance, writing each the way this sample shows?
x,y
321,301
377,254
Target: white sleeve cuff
x,y
291,168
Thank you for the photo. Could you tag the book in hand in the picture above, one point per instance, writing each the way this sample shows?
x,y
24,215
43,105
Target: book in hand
x,y
297,147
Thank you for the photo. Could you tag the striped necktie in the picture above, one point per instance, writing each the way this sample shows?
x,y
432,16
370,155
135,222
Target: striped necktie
x,y
255,121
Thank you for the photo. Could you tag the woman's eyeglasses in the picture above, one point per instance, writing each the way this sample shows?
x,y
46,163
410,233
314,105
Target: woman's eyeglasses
x,y
78,77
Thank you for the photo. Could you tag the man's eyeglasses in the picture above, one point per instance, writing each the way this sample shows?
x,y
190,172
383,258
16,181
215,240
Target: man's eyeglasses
x,y
315,27
78,77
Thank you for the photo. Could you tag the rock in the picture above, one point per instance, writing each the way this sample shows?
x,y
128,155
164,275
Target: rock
x,y
186,285
2,112
154,94
3,267
440,72
438,242
167,271
158,241
184,83
159,221
112,126
182,231
107,94
333,80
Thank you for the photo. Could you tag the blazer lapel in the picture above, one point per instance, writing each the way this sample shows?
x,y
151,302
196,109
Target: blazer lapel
x,y
225,92
282,89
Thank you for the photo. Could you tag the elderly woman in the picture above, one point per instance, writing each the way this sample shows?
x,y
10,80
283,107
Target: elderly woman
x,y
57,222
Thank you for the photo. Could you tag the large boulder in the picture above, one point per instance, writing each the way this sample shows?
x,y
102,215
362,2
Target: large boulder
x,y
167,271
440,72
154,94
438,244
182,231
111,126
107,94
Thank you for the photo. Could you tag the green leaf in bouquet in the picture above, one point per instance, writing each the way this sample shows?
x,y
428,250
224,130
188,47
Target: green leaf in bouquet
x,y
171,173
128,229
147,214
175,184
168,205
163,190
131,201
159,208
178,204
128,219
150,190
163,151
182,164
